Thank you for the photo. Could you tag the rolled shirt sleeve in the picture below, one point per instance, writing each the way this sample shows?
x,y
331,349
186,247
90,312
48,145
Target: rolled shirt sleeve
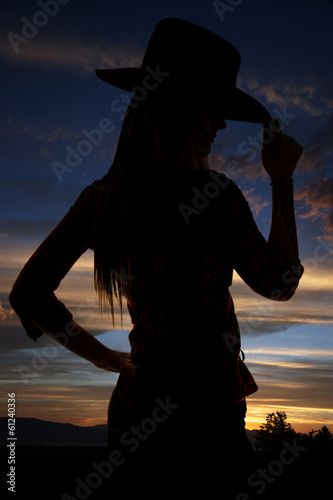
x,y
32,296
261,268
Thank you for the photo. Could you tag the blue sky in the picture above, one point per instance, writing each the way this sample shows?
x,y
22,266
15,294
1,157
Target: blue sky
x,y
51,98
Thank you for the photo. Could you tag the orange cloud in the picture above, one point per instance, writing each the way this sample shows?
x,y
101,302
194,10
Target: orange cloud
x,y
255,201
318,197
304,95
5,313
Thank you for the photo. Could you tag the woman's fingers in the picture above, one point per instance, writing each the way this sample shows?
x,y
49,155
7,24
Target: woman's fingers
x,y
280,152
276,127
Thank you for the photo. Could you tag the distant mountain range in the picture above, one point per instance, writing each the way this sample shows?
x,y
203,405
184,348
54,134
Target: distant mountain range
x,y
35,431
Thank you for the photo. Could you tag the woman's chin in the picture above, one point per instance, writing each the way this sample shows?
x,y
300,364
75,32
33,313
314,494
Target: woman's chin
x,y
205,151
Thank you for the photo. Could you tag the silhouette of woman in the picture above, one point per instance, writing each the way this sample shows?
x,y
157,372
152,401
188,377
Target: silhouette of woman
x,y
167,233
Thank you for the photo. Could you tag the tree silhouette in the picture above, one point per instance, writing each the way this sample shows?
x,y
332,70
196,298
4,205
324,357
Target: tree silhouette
x,y
272,434
324,438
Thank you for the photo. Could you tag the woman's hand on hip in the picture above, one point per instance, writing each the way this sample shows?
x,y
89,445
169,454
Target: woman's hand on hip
x,y
115,361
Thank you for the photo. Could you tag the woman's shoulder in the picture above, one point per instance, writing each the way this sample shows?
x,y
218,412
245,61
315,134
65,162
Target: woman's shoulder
x,y
91,193
215,185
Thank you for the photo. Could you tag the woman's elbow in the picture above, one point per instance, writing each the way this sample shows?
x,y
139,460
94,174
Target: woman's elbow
x,y
17,296
13,299
284,293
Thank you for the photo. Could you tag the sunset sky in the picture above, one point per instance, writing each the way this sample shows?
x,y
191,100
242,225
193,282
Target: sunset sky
x,y
51,98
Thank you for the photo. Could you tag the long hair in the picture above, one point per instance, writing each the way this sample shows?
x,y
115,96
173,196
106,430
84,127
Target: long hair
x,y
161,131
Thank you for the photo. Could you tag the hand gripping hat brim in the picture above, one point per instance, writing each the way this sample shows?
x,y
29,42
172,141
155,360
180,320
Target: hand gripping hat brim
x,y
197,59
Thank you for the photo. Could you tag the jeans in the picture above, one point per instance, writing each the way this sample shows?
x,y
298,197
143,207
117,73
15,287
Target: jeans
x,y
185,448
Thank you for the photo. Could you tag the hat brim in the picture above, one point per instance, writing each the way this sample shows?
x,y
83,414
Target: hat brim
x,y
240,106
237,105
123,78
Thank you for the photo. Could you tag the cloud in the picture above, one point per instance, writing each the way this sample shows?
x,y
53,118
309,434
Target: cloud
x,y
293,374
258,316
329,222
62,395
314,176
318,193
52,136
5,314
29,140
255,201
309,96
238,165
317,154
318,198
74,55
288,371
24,130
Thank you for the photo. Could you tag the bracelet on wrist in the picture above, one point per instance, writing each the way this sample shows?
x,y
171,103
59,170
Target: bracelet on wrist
x,y
282,181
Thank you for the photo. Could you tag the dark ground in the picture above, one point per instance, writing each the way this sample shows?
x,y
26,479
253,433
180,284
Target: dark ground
x,y
48,472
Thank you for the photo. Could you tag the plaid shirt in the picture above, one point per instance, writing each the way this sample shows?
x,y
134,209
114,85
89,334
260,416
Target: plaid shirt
x,y
194,229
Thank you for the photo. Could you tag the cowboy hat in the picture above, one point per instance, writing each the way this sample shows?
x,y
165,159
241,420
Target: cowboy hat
x,y
194,57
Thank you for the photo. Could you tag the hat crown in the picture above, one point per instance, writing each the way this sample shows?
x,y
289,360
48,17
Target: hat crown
x,y
196,62
185,49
